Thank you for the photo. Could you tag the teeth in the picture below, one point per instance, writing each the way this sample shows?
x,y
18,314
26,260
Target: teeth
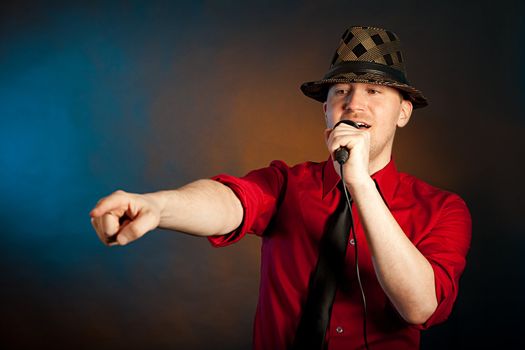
x,y
362,125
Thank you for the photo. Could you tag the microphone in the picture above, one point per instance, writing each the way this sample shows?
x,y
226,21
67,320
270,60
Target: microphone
x,y
342,153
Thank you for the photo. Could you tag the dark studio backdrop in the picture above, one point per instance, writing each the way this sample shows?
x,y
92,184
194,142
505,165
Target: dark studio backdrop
x,y
142,96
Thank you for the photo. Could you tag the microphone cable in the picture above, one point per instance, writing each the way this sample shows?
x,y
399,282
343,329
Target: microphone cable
x,y
363,298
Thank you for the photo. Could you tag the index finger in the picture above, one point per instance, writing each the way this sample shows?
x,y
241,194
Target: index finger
x,y
347,122
115,201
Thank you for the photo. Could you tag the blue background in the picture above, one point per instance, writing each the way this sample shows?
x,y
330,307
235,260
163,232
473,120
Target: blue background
x,y
101,95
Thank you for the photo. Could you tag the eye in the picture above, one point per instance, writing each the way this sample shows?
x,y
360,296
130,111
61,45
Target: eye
x,y
373,91
341,92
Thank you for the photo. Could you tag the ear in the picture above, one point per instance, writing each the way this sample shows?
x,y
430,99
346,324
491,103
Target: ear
x,y
404,113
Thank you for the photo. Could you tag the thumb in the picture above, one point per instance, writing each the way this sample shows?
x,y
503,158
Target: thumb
x,y
137,227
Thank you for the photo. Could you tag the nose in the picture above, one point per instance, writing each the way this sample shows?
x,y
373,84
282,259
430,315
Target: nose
x,y
354,101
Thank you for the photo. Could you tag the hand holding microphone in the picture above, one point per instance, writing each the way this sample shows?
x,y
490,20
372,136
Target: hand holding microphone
x,y
342,153
350,147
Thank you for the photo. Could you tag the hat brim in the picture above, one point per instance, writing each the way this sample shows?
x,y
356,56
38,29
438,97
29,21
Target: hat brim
x,y
318,90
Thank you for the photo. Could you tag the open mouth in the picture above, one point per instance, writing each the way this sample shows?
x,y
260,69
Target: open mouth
x,y
362,125
355,124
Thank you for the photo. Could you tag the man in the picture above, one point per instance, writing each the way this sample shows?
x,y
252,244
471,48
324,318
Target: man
x,y
412,238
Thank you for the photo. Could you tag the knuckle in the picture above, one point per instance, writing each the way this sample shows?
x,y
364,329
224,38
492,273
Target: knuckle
x,y
148,214
336,139
106,224
134,232
96,225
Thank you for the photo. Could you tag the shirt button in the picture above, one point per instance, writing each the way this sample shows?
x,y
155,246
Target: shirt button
x,y
339,329
352,242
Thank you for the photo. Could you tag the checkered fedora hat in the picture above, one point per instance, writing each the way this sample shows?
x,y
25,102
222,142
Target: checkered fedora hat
x,y
366,55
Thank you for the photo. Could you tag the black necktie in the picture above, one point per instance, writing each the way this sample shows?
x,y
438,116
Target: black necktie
x,y
323,281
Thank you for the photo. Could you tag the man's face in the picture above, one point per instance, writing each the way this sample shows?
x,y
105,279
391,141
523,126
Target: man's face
x,y
380,108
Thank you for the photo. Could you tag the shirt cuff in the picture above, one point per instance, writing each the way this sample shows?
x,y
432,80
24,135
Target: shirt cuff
x,y
240,232
445,300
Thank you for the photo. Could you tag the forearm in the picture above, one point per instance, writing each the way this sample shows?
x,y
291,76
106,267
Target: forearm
x,y
404,273
203,208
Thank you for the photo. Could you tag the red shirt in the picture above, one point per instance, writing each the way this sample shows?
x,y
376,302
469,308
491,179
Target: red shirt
x,y
288,208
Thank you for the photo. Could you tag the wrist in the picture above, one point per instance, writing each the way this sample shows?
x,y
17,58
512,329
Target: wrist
x,y
361,185
159,201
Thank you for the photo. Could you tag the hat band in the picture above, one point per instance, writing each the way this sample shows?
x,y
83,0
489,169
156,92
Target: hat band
x,y
361,67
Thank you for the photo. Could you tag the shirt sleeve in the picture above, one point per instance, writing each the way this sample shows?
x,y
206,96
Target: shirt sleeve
x,y
446,248
259,192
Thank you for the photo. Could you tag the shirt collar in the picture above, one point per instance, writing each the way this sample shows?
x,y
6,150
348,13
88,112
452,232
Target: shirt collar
x,y
386,179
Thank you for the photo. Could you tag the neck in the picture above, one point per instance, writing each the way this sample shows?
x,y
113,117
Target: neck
x,y
379,162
